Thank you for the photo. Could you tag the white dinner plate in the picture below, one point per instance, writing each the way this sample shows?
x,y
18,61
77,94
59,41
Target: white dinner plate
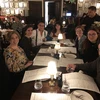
x,y
70,55
81,94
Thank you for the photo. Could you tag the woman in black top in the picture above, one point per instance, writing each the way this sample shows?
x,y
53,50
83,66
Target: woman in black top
x,y
90,45
26,42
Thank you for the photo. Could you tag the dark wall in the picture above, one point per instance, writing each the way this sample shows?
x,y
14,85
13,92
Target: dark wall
x,y
54,10
70,7
51,11
35,12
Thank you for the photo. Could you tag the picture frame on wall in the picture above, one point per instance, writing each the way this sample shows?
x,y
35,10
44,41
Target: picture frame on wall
x,y
6,5
16,5
12,11
5,0
11,4
22,12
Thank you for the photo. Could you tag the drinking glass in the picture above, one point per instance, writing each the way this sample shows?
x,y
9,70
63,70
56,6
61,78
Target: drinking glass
x,y
38,84
65,87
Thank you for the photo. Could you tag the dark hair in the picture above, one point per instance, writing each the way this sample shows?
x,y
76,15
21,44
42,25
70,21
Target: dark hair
x,y
79,27
25,28
92,8
40,21
94,29
59,23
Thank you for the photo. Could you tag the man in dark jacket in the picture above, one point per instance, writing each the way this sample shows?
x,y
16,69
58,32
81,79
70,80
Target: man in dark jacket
x,y
92,68
88,19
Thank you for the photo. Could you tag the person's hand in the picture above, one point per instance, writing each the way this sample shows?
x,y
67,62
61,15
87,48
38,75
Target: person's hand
x,y
44,39
29,63
70,67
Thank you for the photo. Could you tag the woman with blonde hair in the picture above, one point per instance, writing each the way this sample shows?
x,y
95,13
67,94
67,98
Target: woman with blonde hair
x,y
15,60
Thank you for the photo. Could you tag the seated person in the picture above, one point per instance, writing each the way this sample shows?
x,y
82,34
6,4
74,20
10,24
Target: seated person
x,y
39,35
80,37
90,45
26,42
92,68
15,60
55,32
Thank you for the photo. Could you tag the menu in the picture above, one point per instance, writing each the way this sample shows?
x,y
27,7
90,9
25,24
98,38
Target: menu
x,y
49,96
78,80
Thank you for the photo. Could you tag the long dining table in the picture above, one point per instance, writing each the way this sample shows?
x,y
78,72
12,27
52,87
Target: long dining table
x,y
25,90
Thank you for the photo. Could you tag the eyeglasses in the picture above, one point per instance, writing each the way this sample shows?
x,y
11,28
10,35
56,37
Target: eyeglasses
x,y
92,34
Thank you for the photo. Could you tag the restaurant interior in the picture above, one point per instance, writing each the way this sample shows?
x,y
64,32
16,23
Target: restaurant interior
x,y
48,78
34,10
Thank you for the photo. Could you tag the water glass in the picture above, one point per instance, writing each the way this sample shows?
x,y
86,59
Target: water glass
x,y
38,84
65,87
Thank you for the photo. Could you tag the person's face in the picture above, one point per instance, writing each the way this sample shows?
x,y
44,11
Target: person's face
x,y
41,26
79,32
92,36
91,13
16,19
14,39
29,31
57,27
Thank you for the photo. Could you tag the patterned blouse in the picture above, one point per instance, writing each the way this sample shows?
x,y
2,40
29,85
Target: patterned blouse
x,y
14,59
